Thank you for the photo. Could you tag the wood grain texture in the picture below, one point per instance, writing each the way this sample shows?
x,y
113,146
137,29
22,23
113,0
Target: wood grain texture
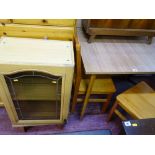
x,y
100,86
36,31
117,56
138,101
51,22
1,103
55,29
45,52
25,54
123,23
86,100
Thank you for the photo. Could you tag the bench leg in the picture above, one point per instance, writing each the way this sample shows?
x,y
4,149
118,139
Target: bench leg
x,y
91,38
112,111
149,39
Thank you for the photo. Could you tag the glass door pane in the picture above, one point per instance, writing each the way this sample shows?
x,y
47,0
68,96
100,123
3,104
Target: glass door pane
x,y
35,95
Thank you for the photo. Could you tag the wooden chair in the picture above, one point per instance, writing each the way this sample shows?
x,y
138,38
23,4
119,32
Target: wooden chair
x,y
101,86
138,102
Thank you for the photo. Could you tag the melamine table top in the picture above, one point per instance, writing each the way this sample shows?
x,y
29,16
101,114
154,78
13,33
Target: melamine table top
x,y
117,56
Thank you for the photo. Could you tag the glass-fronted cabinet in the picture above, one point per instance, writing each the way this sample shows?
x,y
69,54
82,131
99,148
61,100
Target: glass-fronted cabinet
x,y
36,80
35,95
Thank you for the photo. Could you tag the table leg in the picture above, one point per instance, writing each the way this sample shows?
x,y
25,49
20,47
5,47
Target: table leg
x,y
88,92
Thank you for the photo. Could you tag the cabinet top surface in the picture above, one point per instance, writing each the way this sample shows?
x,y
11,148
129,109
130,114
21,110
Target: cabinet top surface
x,y
27,51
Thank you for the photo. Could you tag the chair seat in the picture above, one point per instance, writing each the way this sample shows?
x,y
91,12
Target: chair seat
x,y
100,86
138,101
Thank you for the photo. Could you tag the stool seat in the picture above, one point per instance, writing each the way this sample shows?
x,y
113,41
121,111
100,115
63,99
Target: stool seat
x,y
138,102
100,86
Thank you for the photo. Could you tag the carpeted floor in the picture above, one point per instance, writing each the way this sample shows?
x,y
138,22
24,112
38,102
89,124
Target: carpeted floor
x,y
93,120
89,132
90,122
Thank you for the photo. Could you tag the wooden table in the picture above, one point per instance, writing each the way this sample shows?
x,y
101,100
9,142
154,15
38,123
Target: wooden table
x,y
115,56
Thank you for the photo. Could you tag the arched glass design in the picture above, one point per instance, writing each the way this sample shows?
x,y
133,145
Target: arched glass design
x,y
35,95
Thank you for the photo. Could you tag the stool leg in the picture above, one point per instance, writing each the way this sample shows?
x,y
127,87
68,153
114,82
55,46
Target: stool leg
x,y
112,110
105,105
91,82
23,129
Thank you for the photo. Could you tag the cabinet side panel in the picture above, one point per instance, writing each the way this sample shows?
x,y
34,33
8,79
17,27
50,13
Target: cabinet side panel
x,y
7,101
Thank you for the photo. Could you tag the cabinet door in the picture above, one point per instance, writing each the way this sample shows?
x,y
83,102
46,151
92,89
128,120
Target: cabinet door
x,y
35,95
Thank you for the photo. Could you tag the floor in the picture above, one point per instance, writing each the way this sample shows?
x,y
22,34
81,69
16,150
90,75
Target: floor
x,y
90,122
93,119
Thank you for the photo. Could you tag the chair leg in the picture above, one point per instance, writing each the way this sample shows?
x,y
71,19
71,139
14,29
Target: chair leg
x,y
74,100
105,104
112,110
91,82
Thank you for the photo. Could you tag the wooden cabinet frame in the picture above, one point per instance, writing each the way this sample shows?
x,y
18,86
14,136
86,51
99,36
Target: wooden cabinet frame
x,y
66,75
51,29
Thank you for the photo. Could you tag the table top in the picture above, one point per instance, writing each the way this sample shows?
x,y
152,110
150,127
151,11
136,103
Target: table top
x,y
36,52
139,127
117,56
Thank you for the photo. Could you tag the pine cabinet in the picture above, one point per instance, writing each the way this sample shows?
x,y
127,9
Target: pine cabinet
x,y
36,79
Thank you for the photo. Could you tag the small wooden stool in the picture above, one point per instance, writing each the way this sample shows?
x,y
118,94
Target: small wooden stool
x,y
138,102
103,86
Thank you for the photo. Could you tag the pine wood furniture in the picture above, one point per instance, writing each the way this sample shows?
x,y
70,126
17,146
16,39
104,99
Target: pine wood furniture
x,y
36,80
119,27
57,29
1,103
138,102
100,86
47,53
115,57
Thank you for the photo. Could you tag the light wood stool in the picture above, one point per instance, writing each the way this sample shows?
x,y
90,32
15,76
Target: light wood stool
x,y
103,86
138,102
